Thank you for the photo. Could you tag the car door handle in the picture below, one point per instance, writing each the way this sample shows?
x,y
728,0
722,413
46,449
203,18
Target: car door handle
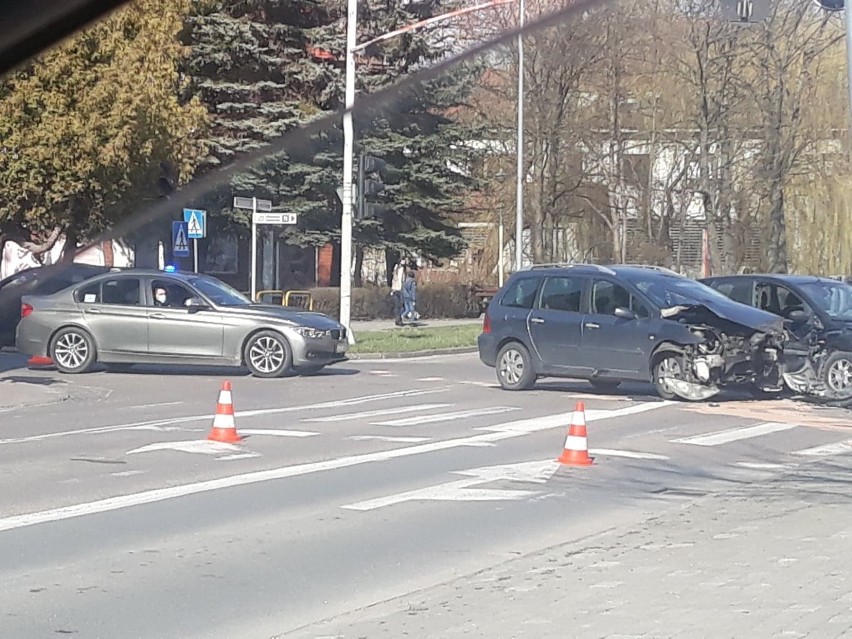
x,y
94,311
536,320
157,316
591,325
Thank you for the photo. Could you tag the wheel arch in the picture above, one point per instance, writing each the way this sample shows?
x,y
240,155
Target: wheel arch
x,y
79,327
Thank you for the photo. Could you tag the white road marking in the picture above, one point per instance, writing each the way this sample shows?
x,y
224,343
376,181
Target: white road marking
x,y
152,405
536,472
377,413
276,432
837,448
630,454
382,438
431,379
200,446
127,473
379,372
508,431
483,384
763,466
238,456
735,434
242,414
564,418
445,417
452,491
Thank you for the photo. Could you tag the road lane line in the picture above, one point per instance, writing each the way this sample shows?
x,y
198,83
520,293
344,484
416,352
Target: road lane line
x,y
837,448
151,405
564,418
445,417
200,446
277,432
630,454
354,401
508,431
735,434
377,413
382,438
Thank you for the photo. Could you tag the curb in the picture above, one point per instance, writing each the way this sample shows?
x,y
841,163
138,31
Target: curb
x,y
413,354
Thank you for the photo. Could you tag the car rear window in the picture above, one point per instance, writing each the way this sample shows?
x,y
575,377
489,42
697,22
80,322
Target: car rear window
x,y
521,293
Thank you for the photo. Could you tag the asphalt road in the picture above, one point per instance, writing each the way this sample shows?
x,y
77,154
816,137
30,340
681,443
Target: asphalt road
x,y
352,487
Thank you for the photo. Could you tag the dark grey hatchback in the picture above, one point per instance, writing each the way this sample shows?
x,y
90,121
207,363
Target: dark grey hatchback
x,y
618,323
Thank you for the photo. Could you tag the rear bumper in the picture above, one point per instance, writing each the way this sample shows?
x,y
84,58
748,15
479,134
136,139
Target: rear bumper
x,y
32,339
487,345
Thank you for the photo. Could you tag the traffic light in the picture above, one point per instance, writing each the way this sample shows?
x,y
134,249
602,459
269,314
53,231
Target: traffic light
x,y
368,187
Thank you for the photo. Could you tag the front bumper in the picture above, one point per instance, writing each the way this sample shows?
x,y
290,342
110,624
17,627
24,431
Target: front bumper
x,y
315,351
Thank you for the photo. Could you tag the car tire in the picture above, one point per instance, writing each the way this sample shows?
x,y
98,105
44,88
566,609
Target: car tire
x,y
515,368
268,355
665,362
837,376
604,385
73,351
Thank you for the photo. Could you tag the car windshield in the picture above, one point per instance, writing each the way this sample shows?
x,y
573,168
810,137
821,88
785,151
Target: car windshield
x,y
668,291
220,293
833,298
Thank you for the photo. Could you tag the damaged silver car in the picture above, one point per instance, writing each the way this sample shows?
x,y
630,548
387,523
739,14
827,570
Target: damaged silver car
x,y
610,324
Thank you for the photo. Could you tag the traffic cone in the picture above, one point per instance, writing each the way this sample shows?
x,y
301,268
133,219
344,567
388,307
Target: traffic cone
x,y
224,424
37,361
575,452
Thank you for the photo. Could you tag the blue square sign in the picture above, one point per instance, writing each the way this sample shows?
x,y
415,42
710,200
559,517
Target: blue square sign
x,y
196,223
180,239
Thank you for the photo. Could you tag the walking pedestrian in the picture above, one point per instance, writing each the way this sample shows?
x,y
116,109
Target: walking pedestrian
x,y
397,280
409,297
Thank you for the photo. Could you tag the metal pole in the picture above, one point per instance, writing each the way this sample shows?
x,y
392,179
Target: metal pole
x,y
195,255
348,143
253,249
519,212
847,14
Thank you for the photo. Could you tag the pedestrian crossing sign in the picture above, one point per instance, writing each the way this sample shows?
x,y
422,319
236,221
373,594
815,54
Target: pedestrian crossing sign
x,y
180,240
196,223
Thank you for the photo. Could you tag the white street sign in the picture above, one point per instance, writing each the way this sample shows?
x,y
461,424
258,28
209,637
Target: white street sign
x,y
275,218
537,472
247,203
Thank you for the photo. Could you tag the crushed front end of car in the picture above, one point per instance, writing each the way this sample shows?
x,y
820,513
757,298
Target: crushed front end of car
x,y
724,353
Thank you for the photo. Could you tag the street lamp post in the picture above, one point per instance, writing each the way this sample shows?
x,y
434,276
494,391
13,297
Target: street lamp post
x,y
519,210
501,178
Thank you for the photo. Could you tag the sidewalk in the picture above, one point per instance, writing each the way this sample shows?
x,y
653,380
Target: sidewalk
x,y
765,560
21,387
386,325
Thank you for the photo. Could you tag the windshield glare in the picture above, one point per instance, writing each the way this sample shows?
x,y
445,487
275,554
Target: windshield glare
x,y
220,293
667,292
834,299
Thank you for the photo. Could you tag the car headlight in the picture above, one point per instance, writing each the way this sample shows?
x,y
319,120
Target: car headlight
x,y
310,333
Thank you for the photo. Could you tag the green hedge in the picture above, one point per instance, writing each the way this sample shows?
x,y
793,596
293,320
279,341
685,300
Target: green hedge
x,y
372,302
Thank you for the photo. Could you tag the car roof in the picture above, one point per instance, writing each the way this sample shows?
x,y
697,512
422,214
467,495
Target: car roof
x,y
613,270
152,272
777,277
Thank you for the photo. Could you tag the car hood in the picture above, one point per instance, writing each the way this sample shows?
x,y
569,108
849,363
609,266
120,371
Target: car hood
x,y
734,312
289,315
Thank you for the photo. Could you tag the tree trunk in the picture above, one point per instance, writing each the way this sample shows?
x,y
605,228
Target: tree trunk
x,y
358,276
777,228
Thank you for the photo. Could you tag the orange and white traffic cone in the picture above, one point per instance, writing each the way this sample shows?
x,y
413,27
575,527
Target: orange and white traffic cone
x,y
224,424
37,361
575,452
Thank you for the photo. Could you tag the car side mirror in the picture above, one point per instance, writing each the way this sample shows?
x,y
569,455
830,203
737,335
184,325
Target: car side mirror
x,y
624,313
195,304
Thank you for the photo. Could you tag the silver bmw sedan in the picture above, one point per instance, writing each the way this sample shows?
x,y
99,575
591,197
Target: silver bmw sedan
x,y
140,316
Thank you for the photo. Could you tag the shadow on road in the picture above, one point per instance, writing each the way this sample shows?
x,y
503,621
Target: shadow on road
x,y
216,371
35,381
12,361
